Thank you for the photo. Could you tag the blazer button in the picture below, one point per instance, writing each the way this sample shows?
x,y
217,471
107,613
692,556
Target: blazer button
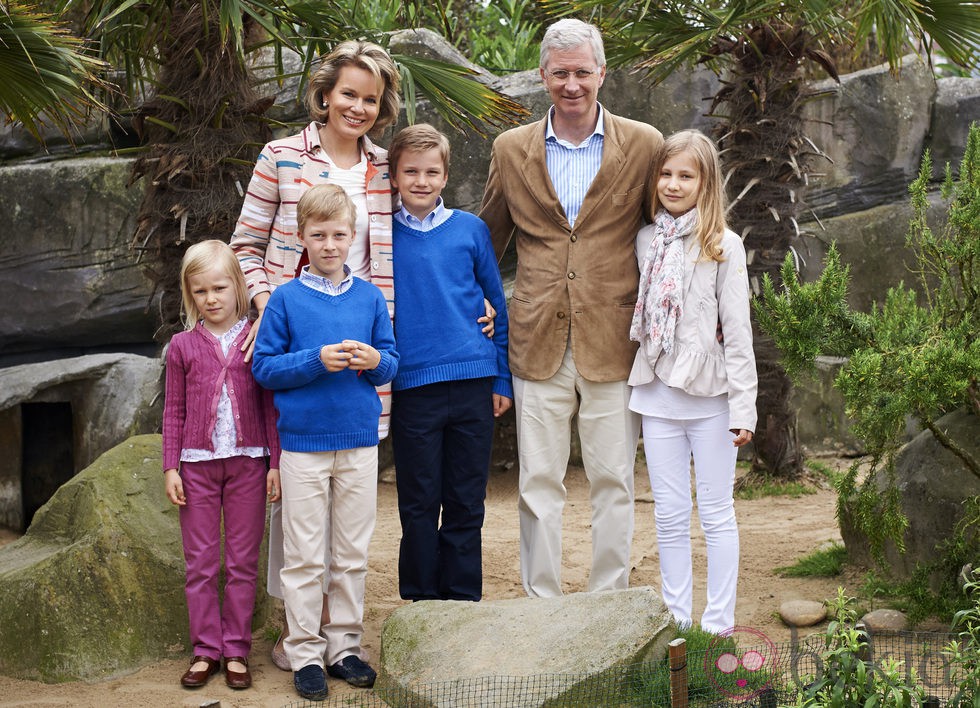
x,y
571,276
574,238
561,315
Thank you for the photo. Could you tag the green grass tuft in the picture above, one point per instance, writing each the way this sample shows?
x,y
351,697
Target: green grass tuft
x,y
826,563
761,487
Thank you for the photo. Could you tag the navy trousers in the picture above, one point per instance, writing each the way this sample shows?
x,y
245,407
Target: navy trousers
x,y
441,436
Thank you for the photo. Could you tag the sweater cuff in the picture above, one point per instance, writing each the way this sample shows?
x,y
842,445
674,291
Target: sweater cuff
x,y
502,386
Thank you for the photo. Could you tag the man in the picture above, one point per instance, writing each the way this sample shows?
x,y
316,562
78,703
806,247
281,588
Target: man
x,y
573,188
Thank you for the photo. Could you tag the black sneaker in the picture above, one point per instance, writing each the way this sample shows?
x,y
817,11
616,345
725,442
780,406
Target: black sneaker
x,y
353,671
310,683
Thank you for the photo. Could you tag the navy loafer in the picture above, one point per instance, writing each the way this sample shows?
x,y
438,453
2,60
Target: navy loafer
x,y
353,671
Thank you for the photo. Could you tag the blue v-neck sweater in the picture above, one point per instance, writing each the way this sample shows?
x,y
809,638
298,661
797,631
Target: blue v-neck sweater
x,y
441,277
319,410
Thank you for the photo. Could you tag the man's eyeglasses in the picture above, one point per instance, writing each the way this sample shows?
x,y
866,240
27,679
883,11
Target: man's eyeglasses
x,y
564,74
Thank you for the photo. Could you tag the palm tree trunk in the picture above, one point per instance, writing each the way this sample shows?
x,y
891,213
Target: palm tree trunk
x,y
202,139
764,154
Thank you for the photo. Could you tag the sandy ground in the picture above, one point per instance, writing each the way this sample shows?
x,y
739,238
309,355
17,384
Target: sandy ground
x,y
774,531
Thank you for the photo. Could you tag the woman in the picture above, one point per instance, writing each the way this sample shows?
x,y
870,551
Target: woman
x,y
352,92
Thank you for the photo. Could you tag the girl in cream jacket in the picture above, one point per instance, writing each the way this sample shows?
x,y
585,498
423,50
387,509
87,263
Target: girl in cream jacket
x,y
694,379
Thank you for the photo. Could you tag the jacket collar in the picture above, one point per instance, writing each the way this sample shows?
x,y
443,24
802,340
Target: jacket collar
x,y
311,142
535,171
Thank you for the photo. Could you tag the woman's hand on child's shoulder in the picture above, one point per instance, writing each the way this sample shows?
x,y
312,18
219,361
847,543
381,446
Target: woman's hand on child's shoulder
x,y
174,487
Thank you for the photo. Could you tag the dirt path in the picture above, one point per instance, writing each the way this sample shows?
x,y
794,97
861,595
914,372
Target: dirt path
x,y
774,531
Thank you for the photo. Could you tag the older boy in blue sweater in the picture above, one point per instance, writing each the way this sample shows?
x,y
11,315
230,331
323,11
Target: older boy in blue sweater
x,y
325,343
452,379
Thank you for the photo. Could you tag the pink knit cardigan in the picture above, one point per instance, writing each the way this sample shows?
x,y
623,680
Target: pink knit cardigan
x,y
196,370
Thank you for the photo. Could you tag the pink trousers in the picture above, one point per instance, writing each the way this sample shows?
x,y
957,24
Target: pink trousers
x,y
235,488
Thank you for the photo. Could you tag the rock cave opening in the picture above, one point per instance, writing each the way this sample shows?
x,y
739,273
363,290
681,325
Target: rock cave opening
x,y
47,453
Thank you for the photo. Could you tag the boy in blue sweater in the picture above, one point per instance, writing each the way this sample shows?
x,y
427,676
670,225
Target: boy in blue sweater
x,y
325,343
452,379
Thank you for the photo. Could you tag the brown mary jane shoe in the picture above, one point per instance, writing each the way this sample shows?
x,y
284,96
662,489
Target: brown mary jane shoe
x,y
237,679
196,679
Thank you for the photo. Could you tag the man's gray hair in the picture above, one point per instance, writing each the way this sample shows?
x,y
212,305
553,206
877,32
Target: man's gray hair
x,y
568,34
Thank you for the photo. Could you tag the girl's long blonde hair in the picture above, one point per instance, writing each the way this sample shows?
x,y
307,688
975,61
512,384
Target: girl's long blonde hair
x,y
711,224
200,258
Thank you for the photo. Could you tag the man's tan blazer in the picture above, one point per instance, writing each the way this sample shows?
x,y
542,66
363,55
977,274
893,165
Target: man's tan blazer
x,y
579,282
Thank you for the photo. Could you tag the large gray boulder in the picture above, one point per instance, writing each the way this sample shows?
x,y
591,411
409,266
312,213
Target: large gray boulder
x,y
933,484
873,126
66,258
437,653
822,421
872,244
957,106
57,417
96,586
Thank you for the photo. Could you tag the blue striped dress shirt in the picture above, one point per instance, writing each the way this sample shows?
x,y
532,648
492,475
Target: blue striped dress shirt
x,y
573,167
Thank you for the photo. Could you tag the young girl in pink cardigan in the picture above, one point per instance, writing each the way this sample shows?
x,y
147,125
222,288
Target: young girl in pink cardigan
x,y
218,428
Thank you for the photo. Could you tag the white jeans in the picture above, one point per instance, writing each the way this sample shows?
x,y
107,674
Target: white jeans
x,y
669,445
346,482
609,433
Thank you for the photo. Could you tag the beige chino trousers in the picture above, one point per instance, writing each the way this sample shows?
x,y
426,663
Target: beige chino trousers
x,y
609,433
346,483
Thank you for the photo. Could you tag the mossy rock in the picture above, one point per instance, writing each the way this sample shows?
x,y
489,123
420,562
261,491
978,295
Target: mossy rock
x,y
95,588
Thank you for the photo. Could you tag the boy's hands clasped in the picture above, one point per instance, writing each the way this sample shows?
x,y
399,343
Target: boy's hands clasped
x,y
349,354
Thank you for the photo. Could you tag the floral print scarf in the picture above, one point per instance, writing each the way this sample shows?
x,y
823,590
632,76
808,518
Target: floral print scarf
x,y
658,304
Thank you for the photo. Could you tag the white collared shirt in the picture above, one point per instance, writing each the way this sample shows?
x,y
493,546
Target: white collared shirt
x,y
433,219
573,167
325,285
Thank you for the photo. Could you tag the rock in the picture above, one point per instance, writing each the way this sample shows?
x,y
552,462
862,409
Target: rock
x,y
802,613
957,105
873,126
66,258
933,484
426,44
822,421
880,230
17,141
96,586
56,417
578,640
885,621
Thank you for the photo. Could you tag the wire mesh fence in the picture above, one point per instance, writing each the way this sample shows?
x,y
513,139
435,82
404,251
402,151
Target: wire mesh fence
x,y
726,674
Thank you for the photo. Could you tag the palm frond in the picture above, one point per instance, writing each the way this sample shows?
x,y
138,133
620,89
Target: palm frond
x,y
460,99
48,74
132,33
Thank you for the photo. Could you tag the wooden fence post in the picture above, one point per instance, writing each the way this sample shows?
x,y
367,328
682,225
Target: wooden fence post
x,y
678,673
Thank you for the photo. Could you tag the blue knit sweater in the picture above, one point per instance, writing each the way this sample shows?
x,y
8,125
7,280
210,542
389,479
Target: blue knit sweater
x,y
441,277
320,411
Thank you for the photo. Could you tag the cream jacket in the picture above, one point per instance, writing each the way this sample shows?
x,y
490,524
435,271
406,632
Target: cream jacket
x,y
700,365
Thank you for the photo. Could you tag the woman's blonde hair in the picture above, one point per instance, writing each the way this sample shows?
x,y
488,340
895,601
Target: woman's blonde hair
x,y
364,55
710,226
200,258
